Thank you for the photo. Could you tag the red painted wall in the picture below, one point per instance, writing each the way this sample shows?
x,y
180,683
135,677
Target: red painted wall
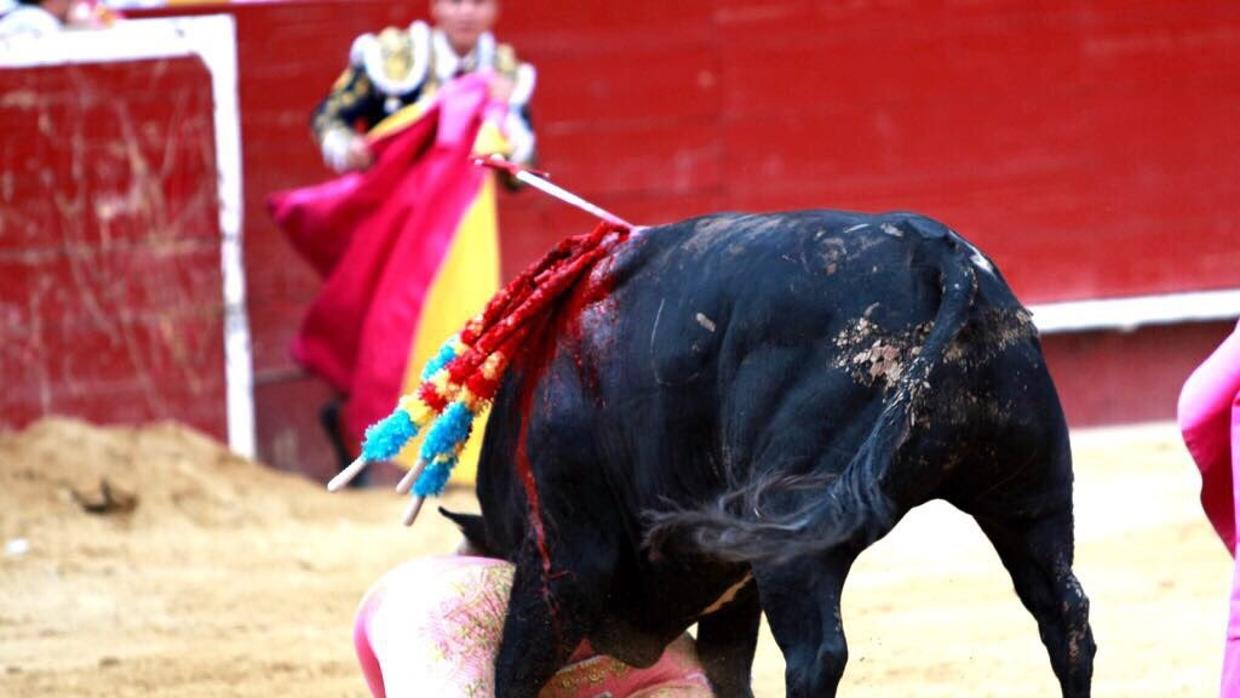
x,y
1089,147
109,245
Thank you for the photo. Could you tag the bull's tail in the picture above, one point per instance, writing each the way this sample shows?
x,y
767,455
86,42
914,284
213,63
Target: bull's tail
x,y
850,508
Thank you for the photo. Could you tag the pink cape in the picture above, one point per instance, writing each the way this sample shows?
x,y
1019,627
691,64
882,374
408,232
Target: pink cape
x,y
1211,425
431,627
378,237
1209,417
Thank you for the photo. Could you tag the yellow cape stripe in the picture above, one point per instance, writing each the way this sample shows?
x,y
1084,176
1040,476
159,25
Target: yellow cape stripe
x,y
466,280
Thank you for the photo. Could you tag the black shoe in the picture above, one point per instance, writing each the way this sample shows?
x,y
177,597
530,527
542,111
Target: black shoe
x,y
329,419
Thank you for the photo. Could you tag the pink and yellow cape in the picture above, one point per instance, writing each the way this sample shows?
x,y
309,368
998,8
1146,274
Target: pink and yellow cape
x,y
408,251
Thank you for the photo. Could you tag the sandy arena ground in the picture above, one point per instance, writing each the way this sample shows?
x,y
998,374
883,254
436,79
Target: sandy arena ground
x,y
227,579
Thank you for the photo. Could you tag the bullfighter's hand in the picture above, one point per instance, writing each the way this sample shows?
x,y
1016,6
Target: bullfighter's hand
x,y
358,155
501,88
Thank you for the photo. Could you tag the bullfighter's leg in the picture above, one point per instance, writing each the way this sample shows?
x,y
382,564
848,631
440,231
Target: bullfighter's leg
x,y
801,600
1038,555
545,623
726,642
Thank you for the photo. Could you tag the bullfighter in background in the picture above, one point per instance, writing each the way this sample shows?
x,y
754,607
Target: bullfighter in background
x,y
406,238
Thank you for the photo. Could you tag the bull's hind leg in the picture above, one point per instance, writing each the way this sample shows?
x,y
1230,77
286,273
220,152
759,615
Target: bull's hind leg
x,y
801,600
1038,554
726,641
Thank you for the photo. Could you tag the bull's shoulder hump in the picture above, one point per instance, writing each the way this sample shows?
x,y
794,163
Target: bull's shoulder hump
x,y
727,232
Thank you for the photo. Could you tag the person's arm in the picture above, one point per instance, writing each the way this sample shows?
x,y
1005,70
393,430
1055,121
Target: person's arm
x,y
350,101
513,84
518,126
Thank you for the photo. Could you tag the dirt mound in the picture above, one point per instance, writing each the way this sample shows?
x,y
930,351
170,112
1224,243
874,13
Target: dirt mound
x,y
153,476
200,573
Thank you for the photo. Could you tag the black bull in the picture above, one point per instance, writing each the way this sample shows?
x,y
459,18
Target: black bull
x,y
734,407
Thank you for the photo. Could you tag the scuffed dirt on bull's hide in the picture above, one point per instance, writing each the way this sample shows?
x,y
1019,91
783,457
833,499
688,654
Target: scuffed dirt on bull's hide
x,y
965,407
873,355
833,252
988,333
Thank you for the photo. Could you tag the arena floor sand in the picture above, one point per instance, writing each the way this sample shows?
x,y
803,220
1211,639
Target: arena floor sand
x,y
232,580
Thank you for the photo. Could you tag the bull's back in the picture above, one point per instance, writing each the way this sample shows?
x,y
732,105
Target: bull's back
x,y
789,278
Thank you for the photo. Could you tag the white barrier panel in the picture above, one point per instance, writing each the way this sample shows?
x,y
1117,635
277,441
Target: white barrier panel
x,y
1126,314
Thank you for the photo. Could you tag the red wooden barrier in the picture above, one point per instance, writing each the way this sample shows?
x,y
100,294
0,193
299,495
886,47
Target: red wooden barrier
x,y
1087,146
109,245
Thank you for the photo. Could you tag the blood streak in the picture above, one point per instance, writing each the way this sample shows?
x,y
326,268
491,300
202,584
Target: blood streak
x,y
587,311
588,282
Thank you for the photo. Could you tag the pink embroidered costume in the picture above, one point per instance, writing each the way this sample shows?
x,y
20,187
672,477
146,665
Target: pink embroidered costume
x,y
1209,417
431,627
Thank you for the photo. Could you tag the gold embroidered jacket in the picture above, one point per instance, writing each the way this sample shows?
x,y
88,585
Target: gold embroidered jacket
x,y
398,66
